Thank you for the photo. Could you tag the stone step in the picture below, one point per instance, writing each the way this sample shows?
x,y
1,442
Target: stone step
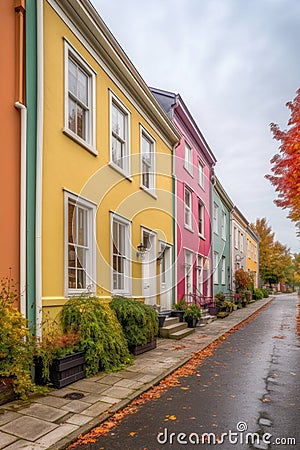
x,y
182,333
170,321
166,331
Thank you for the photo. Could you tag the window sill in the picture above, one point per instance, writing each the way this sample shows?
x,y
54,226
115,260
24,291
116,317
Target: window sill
x,y
151,192
189,228
187,170
80,141
201,236
119,170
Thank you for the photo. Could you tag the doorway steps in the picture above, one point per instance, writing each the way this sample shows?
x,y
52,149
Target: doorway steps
x,y
173,329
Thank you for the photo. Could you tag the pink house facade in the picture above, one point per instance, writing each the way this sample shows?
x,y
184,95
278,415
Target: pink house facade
x,y
193,170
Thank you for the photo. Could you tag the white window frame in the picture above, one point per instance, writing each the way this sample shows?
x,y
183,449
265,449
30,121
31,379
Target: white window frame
x,y
89,248
216,267
188,272
242,242
201,174
123,222
223,271
124,167
88,141
150,162
236,238
201,215
216,218
223,226
199,274
188,209
188,158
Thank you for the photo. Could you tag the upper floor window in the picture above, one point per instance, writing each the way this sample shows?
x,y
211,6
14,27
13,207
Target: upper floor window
x,y
79,99
236,238
79,245
216,218
200,218
119,136
147,161
200,174
223,225
188,158
188,208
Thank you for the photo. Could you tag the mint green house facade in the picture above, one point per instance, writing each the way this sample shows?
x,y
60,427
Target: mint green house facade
x,y
220,223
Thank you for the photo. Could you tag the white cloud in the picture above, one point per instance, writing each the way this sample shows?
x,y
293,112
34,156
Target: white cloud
x,y
235,64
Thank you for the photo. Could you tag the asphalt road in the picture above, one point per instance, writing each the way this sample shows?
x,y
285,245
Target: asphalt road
x,y
251,384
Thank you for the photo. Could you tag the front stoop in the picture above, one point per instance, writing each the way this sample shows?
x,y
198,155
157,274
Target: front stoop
x,y
173,329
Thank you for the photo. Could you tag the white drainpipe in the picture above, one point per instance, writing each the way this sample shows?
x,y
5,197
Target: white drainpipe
x,y
39,166
23,296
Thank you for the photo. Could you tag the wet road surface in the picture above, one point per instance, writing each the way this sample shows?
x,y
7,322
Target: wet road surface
x,y
250,384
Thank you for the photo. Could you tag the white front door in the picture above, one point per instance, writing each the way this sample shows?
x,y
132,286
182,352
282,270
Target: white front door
x,y
165,262
149,267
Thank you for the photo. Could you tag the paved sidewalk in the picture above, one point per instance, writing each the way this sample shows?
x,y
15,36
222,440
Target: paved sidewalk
x,y
52,421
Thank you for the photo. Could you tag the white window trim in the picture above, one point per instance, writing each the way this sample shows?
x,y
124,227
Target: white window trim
x,y
128,278
216,218
199,273
223,225
126,171
90,143
91,265
216,267
188,164
223,271
152,189
202,235
190,208
201,178
188,254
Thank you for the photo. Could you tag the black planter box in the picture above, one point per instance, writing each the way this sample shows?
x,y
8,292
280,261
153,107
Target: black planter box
x,y
177,313
6,391
191,321
63,371
139,349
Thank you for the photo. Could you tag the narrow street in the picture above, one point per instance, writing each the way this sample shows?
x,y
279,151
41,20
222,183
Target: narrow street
x,y
251,384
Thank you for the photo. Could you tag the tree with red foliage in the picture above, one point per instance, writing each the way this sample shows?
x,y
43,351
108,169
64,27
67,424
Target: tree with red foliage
x,y
286,164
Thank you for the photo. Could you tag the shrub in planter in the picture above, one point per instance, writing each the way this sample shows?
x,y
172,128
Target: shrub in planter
x,y
265,293
179,309
139,321
101,335
257,294
16,343
192,315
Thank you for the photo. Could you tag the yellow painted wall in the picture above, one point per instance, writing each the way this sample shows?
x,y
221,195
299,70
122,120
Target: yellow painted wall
x,y
252,258
67,165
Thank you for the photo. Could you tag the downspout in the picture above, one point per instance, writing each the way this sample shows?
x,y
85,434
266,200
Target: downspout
x,y
39,165
23,181
19,104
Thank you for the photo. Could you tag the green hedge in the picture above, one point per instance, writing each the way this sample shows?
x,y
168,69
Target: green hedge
x,y
101,335
257,294
139,321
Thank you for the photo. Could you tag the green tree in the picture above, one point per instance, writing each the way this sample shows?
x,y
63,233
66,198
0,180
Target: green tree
x,y
275,261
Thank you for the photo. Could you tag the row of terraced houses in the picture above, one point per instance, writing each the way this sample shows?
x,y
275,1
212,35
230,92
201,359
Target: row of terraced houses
x,y
107,185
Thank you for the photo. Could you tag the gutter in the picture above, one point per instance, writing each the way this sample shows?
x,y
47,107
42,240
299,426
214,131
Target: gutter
x,y
39,166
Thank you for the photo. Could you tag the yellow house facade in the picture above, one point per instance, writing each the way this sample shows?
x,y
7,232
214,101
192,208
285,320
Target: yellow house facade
x,y
252,255
104,189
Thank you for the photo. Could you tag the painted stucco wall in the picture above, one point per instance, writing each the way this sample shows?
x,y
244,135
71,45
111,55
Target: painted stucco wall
x,y
221,245
67,165
252,257
187,239
10,147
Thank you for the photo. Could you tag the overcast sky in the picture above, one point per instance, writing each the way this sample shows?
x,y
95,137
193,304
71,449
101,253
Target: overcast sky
x,y
235,64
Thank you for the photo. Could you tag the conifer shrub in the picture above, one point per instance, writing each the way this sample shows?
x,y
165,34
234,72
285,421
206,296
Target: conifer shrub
x,y
139,321
101,335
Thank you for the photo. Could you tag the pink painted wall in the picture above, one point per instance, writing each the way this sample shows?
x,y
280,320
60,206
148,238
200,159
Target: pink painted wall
x,y
185,238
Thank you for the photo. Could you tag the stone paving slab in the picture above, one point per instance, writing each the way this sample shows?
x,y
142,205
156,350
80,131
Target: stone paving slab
x,y
28,428
103,393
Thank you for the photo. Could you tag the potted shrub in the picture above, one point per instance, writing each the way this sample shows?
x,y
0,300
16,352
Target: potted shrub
x,y
59,359
179,309
139,323
16,346
101,335
192,315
